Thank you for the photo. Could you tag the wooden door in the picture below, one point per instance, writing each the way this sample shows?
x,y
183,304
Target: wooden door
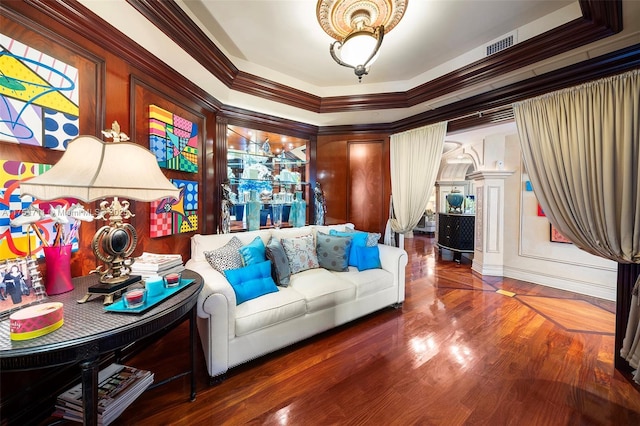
x,y
366,185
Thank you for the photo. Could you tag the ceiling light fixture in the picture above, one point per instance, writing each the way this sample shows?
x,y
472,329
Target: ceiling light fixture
x,y
358,26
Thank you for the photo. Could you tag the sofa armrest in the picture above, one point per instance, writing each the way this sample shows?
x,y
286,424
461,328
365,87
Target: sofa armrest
x,y
394,260
214,284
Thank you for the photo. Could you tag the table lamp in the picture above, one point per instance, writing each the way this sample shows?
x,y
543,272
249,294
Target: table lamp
x,y
91,169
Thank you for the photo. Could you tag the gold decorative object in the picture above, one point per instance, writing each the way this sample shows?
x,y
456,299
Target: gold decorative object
x,y
90,170
358,26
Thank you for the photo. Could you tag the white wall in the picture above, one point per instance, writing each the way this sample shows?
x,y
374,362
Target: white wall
x,y
529,253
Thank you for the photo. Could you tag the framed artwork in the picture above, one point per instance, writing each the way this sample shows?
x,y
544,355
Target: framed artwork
x,y
173,140
39,97
23,240
540,211
20,284
170,217
557,237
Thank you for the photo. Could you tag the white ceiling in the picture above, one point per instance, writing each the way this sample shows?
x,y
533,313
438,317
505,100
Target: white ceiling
x,y
281,40
285,36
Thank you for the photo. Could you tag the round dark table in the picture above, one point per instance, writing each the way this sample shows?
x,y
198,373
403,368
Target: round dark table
x,y
89,331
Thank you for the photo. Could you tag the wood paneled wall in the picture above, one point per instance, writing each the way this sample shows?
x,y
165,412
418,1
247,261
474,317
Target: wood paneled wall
x,y
112,89
355,175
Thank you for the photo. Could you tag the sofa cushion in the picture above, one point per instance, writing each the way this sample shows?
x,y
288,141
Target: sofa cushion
x,y
358,239
322,289
373,238
333,251
280,270
368,258
225,257
301,252
268,310
251,281
367,282
253,253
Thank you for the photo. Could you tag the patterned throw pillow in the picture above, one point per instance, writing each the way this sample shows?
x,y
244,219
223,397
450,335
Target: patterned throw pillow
x,y
226,257
301,252
279,262
333,252
373,238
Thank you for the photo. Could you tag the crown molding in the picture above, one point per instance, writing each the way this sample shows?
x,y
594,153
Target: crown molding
x,y
600,19
75,16
480,110
469,112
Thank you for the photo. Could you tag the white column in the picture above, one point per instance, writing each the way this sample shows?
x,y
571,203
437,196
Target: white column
x,y
488,254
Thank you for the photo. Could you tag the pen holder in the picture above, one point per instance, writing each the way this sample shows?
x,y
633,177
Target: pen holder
x,y
58,261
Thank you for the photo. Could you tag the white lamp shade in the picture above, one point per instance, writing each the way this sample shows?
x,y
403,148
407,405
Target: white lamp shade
x,y
357,48
91,169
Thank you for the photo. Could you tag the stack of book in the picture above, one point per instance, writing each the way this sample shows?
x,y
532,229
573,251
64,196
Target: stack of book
x,y
151,264
118,386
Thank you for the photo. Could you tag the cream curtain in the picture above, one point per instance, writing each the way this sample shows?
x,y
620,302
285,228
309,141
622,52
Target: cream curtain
x,y
581,148
415,160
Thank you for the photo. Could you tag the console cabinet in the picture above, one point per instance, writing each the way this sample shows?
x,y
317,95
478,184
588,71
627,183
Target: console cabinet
x,y
456,232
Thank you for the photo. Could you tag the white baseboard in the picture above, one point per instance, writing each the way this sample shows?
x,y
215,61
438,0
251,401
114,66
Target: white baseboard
x,y
602,291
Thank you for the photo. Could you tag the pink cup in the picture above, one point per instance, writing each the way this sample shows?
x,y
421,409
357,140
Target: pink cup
x,y
58,261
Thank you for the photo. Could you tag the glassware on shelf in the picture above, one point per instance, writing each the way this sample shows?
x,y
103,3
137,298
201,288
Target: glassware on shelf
x,y
298,214
276,214
253,212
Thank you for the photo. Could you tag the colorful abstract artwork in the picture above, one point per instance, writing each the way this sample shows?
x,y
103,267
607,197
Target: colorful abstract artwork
x,y
38,97
557,237
169,217
19,241
173,140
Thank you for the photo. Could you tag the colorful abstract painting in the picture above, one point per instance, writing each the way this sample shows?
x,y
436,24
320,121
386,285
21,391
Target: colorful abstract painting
x,y
557,237
19,241
173,140
38,97
169,217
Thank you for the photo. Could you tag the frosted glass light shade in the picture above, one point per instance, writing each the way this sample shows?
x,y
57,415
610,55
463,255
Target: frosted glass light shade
x,y
91,169
357,48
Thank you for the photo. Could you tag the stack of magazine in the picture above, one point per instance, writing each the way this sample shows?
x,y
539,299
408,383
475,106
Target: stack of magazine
x,y
118,386
151,264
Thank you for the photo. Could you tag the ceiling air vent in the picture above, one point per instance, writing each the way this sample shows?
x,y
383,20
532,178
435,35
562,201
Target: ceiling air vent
x,y
500,45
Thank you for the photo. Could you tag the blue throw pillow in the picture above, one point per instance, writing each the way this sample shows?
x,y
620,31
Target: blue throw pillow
x,y
358,239
254,252
251,281
253,289
368,258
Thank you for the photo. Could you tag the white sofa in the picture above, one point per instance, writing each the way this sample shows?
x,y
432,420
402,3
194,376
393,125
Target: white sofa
x,y
315,300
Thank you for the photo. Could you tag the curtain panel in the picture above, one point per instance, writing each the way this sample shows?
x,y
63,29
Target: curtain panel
x,y
415,160
581,148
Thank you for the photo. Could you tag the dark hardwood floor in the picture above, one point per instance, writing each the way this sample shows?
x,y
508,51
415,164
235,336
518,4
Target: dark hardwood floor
x,y
457,353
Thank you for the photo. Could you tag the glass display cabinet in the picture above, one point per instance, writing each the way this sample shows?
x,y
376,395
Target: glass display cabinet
x,y
265,168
